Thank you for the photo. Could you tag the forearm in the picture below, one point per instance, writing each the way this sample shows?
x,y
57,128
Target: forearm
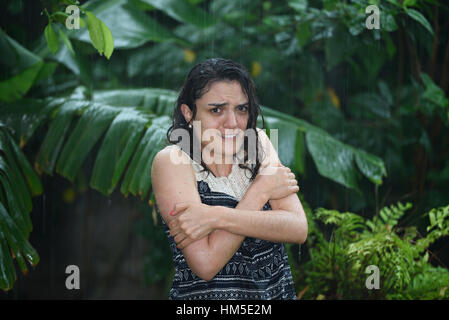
x,y
223,244
273,225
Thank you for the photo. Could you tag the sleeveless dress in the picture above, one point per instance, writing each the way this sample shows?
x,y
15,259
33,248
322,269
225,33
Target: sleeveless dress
x,y
259,270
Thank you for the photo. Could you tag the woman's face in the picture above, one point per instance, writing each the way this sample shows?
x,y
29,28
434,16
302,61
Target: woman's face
x,y
223,112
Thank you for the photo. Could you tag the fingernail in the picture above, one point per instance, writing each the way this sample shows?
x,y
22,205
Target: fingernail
x,y
171,213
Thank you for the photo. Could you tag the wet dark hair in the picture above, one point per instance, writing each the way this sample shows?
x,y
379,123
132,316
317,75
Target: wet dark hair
x,y
197,83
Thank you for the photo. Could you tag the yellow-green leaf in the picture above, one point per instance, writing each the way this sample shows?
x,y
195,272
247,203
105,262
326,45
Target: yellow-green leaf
x,y
52,38
100,35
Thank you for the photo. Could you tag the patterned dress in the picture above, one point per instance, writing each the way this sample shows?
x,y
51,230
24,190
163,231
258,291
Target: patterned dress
x,y
259,270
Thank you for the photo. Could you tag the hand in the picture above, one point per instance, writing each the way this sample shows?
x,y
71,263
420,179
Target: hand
x,y
194,222
276,182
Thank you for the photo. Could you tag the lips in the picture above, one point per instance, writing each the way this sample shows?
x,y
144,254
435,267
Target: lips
x,y
228,136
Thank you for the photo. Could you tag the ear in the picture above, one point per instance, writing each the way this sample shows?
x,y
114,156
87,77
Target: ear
x,y
186,112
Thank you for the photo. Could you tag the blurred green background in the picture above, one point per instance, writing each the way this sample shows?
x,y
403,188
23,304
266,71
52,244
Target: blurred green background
x,y
361,106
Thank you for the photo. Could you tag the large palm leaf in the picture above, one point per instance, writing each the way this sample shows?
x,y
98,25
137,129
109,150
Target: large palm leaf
x,y
18,183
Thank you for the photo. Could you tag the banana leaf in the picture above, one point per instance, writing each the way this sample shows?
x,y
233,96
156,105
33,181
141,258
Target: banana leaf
x,y
117,148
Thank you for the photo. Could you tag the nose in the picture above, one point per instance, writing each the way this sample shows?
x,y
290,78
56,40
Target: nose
x,y
231,120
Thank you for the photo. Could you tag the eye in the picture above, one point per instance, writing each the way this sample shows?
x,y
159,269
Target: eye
x,y
215,110
243,108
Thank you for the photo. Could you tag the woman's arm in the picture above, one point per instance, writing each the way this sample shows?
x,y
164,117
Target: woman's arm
x,y
275,225
285,223
221,244
175,183
206,255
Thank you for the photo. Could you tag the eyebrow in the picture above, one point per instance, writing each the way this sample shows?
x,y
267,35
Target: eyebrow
x,y
225,103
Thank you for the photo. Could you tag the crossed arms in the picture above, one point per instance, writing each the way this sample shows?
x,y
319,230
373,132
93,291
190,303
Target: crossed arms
x,y
209,236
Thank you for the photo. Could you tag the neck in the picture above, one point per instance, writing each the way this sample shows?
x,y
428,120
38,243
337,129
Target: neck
x,y
220,165
220,170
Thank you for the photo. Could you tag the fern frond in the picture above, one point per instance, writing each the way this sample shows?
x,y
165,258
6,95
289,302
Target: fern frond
x,y
389,252
439,227
389,217
337,266
347,221
430,283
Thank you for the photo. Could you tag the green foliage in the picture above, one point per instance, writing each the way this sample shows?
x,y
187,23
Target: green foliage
x,y
135,27
100,35
20,66
183,11
18,184
334,159
389,217
52,38
158,265
336,89
336,268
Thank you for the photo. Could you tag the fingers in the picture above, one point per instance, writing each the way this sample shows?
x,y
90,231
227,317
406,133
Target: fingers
x,y
294,189
179,237
179,207
268,168
183,239
292,179
288,172
184,243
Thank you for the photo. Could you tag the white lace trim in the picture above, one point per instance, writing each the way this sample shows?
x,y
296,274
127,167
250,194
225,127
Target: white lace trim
x,y
235,184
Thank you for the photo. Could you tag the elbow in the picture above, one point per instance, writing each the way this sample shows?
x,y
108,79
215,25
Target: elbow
x,y
303,230
203,272
303,237
202,264
206,275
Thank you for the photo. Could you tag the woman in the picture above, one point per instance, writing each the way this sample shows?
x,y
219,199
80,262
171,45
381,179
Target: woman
x,y
226,212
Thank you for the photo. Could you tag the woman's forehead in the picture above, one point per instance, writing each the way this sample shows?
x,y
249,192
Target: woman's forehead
x,y
225,90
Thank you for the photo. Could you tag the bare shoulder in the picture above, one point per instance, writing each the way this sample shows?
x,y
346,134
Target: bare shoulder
x,y
264,140
270,154
172,152
171,166
172,179
171,158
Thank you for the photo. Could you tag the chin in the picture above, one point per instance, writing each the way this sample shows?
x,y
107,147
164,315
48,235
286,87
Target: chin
x,y
224,148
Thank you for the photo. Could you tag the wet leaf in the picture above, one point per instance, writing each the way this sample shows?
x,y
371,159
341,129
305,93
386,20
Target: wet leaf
x,y
332,159
52,38
100,35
